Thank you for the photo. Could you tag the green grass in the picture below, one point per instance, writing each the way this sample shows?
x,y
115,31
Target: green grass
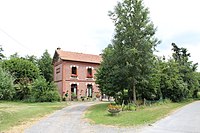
x,y
14,113
98,114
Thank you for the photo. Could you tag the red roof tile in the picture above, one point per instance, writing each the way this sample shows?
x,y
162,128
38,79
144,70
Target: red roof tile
x,y
74,56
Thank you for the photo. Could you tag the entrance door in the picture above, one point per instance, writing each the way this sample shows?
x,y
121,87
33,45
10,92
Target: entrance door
x,y
73,91
89,90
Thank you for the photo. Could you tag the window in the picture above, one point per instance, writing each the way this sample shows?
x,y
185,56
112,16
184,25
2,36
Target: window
x,y
89,73
57,70
74,71
89,90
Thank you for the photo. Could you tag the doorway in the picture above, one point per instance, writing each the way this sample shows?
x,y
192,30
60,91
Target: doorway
x,y
89,90
74,91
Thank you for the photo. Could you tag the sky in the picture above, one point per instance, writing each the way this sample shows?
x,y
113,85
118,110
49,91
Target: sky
x,y
29,27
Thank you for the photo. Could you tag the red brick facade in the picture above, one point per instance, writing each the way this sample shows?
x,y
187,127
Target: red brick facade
x,y
75,75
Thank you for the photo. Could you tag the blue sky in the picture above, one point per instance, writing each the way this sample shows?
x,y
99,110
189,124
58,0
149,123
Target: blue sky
x,y
30,27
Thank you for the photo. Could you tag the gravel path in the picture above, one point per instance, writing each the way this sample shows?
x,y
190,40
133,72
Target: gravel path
x,y
68,120
185,120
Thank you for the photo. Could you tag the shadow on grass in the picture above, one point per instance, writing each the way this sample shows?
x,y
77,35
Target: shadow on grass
x,y
112,115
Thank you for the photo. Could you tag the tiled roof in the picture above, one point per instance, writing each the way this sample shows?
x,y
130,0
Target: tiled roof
x,y
73,56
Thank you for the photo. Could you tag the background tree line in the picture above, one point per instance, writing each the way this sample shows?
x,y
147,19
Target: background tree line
x,y
27,78
131,71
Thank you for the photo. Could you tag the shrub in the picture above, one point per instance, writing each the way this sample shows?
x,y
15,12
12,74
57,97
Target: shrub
x,y
6,85
43,91
129,107
198,95
49,96
22,90
167,101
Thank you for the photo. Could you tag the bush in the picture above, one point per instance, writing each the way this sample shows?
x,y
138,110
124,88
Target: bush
x,y
6,85
198,95
129,107
22,91
49,96
43,91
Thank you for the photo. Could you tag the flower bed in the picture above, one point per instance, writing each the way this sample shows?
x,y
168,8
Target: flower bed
x,y
114,109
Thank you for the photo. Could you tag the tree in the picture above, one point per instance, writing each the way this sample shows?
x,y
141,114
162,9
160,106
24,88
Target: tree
x,y
32,59
1,55
186,68
133,45
21,69
111,77
24,73
45,66
6,85
172,85
15,55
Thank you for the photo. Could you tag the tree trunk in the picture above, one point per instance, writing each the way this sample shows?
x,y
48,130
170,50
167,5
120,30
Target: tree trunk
x,y
134,93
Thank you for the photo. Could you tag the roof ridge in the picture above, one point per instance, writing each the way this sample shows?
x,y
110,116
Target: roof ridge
x,y
76,56
78,52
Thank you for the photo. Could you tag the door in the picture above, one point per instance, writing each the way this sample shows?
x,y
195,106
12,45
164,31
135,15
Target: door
x,y
73,91
89,90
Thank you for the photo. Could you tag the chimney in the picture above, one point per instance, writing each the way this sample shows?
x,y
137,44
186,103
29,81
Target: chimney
x,y
58,48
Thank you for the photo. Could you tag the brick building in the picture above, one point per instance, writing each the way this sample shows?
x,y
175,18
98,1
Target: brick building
x,y
74,73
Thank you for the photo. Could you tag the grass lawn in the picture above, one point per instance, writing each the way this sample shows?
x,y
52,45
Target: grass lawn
x,y
98,114
15,113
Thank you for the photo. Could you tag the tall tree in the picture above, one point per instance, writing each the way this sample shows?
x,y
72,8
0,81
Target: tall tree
x,y
135,40
45,66
186,68
111,76
129,64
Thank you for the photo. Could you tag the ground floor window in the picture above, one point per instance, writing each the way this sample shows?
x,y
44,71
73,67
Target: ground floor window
x,y
89,90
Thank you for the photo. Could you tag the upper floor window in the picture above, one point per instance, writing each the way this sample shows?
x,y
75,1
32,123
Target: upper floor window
x,y
57,70
89,72
74,71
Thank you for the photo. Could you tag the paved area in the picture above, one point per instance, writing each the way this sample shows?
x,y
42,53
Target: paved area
x,y
68,120
185,120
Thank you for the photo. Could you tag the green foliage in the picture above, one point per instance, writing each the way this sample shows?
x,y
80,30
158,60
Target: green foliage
x,y
32,59
43,91
22,70
24,73
45,66
22,90
1,54
29,86
129,107
179,80
126,62
6,85
15,55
